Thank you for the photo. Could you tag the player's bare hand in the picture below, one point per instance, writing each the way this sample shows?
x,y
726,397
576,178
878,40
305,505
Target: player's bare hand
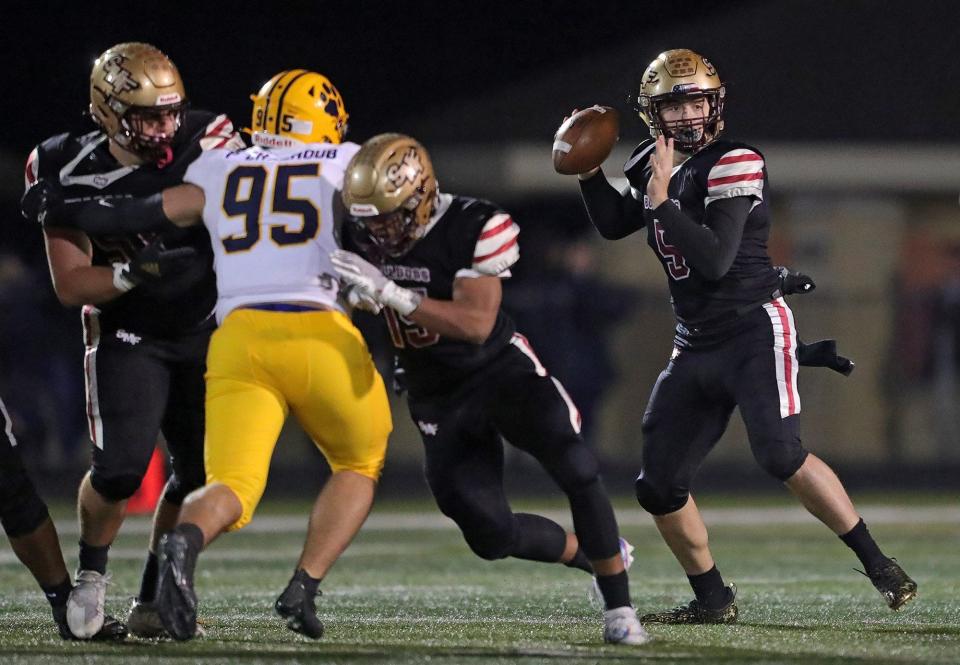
x,y
661,167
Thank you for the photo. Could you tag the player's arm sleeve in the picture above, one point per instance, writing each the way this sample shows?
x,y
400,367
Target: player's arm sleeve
x,y
614,214
112,215
734,187
709,248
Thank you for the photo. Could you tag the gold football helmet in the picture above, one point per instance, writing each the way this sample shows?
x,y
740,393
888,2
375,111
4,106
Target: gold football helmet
x,y
134,85
297,106
390,192
674,76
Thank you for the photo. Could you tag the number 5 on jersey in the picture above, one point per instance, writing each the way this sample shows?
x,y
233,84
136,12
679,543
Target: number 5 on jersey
x,y
244,197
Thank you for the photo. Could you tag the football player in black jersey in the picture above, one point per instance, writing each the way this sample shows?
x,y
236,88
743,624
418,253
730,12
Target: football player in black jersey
x,y
146,334
33,536
472,379
704,204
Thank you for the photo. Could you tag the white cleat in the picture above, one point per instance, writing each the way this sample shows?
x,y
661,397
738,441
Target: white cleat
x,y
85,604
621,626
626,553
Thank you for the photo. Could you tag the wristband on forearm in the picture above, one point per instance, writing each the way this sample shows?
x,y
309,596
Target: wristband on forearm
x,y
404,301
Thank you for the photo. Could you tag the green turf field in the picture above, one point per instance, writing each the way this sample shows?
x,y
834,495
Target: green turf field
x,y
409,591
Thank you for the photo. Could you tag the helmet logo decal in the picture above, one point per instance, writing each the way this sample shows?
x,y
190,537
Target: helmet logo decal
x,y
686,88
681,65
408,170
363,210
711,70
652,76
119,77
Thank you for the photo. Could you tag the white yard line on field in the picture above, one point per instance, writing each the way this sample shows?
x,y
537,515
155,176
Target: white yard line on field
x,y
426,520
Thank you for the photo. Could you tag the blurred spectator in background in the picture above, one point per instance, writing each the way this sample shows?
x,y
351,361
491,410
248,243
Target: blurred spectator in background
x,y
569,311
40,374
921,383
945,351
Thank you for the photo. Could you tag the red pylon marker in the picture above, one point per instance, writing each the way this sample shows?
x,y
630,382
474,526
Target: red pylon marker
x,y
146,497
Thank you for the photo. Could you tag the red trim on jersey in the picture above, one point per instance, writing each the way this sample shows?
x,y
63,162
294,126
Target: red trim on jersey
x,y
28,174
787,357
223,142
526,349
88,370
216,130
489,233
740,177
733,159
503,248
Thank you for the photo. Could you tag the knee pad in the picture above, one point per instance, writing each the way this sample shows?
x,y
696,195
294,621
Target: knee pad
x,y
115,488
489,537
659,499
21,508
573,466
781,459
489,544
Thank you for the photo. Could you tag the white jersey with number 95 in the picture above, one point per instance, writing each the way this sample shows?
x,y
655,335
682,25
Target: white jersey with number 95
x,y
269,213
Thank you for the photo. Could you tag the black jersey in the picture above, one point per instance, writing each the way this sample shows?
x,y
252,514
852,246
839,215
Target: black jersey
x,y
467,237
83,166
724,169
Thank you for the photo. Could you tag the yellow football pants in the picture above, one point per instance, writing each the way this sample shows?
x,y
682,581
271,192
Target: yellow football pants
x,y
262,364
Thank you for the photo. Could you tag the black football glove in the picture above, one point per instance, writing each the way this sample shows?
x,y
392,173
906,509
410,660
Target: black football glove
x,y
792,281
151,263
42,202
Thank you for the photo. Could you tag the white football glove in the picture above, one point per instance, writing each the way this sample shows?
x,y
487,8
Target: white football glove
x,y
367,278
356,298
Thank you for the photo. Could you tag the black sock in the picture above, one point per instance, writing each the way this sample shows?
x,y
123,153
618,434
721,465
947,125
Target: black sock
x,y
864,546
615,590
193,535
580,561
57,594
709,589
148,580
310,584
93,558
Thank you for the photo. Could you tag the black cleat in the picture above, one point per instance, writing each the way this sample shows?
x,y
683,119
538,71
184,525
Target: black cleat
x,y
112,630
694,613
894,584
298,607
176,599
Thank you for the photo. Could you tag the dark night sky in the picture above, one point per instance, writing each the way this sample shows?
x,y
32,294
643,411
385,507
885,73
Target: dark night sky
x,y
485,71
388,59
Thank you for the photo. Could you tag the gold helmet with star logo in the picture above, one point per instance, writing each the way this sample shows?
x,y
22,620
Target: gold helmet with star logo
x,y
390,191
134,85
675,76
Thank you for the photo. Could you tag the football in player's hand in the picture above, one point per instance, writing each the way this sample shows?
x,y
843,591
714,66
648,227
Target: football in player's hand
x,y
585,139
